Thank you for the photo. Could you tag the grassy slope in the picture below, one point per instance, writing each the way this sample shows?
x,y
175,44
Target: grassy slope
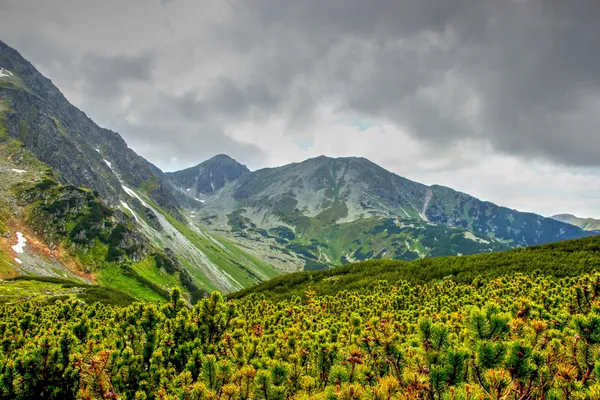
x,y
322,242
588,224
22,289
567,258
113,276
243,267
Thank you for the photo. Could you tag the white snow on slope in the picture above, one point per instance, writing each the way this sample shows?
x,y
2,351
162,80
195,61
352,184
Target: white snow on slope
x,y
133,194
18,260
130,210
20,246
109,164
19,171
5,72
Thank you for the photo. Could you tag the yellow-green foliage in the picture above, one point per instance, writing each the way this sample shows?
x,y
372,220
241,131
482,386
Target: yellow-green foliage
x,y
523,337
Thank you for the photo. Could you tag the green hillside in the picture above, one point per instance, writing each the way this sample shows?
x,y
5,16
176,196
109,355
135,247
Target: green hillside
x,y
93,210
563,259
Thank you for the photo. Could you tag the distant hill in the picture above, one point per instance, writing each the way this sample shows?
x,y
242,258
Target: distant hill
x,y
588,224
568,258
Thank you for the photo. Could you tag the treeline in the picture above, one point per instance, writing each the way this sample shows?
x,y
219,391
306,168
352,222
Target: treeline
x,y
568,258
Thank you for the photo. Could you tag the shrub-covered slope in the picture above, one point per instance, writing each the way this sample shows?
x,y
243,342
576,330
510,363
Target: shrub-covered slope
x,y
519,337
568,258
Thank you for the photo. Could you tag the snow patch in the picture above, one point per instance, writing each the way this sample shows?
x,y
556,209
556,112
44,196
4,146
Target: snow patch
x,y
130,210
188,189
201,201
471,236
5,72
18,260
98,150
133,194
109,164
19,171
20,246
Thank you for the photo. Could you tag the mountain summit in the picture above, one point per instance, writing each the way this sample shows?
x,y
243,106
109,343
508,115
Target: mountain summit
x,y
208,176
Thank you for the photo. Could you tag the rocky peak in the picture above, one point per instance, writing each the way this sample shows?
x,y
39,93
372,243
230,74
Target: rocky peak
x,y
208,176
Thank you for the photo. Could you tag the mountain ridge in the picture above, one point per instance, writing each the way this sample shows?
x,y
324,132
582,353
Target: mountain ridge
x,y
588,224
217,225
322,197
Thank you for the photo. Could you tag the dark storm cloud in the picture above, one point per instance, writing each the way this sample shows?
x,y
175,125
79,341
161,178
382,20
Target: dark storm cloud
x,y
226,98
522,75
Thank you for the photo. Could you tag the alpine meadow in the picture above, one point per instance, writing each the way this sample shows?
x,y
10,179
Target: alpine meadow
x,y
313,200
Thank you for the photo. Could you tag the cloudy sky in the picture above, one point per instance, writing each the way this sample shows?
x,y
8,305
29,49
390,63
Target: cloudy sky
x,y
497,98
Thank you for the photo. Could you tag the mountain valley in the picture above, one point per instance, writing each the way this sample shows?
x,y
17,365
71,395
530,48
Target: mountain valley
x,y
90,209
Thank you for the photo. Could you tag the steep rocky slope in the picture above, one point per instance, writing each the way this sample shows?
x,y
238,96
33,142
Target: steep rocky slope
x,y
94,209
63,137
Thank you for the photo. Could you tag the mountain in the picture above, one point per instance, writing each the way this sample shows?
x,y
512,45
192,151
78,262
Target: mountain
x,y
331,211
64,138
77,203
588,224
209,176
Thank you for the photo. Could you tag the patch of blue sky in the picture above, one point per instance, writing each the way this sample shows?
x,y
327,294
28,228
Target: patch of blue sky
x,y
305,143
362,124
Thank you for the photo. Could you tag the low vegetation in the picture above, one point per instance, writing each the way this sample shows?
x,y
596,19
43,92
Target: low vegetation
x,y
524,337
522,324
563,259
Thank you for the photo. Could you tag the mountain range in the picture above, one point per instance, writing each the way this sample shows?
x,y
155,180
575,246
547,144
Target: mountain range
x,y
331,211
91,209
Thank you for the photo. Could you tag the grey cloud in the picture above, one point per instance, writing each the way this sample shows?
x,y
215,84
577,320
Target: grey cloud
x,y
105,75
226,98
521,75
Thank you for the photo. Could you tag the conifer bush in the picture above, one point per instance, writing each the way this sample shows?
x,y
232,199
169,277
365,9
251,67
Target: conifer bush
x,y
519,337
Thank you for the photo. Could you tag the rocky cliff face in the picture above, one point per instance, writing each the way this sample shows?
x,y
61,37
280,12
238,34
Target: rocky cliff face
x,y
62,136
